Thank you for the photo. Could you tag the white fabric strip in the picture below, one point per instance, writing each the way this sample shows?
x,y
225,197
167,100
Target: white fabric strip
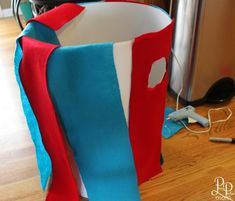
x,y
83,188
122,53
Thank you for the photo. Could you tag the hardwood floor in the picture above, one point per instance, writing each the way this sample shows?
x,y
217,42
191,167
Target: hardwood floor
x,y
191,161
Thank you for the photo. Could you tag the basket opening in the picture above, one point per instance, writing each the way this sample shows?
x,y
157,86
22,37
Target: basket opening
x,y
112,22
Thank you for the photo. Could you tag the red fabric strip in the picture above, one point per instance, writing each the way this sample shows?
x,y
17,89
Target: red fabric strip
x,y
33,76
147,105
59,16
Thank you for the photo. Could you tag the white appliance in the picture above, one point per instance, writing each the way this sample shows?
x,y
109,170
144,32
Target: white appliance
x,y
204,43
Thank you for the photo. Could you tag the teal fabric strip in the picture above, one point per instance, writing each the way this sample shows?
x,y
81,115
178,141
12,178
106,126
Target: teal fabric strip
x,y
170,127
40,32
43,160
84,88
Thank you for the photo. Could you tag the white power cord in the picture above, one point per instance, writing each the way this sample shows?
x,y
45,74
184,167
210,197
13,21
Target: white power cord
x,y
170,8
209,111
182,80
209,120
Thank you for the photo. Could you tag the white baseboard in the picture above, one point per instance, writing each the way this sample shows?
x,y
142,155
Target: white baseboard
x,y
1,12
7,13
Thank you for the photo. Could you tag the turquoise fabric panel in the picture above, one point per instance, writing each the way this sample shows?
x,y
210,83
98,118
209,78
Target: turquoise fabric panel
x,y
170,127
40,32
83,85
43,159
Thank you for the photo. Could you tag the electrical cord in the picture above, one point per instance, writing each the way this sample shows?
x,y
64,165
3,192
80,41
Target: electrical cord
x,y
182,80
17,14
209,111
13,7
209,120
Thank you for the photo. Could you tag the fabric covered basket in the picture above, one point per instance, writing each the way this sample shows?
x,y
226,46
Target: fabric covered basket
x,y
93,81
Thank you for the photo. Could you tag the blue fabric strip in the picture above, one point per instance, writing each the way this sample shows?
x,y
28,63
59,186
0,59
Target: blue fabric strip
x,y
170,127
40,32
84,88
43,160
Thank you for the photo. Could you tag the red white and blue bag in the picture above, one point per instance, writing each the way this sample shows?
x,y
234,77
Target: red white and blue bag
x,y
93,80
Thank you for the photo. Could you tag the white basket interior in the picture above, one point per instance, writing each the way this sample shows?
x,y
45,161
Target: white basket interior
x,y
112,22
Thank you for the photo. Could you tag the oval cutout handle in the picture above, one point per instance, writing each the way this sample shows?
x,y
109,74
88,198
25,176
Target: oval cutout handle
x,y
157,72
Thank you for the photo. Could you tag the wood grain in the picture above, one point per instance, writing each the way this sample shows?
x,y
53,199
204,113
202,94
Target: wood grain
x,y
191,161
